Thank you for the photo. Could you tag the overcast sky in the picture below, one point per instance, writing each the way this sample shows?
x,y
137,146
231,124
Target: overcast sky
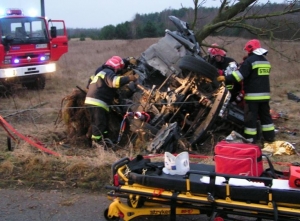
x,y
99,13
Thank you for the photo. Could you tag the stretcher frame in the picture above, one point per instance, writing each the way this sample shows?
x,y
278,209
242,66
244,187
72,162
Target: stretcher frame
x,y
147,196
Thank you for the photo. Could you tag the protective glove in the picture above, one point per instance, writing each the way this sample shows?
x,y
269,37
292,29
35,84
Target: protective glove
x,y
132,61
232,65
221,78
132,78
132,86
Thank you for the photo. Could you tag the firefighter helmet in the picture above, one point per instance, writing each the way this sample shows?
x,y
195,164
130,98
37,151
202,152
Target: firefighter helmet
x,y
115,62
251,45
216,51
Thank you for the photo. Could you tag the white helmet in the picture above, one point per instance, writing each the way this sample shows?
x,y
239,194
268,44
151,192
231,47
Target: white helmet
x,y
176,165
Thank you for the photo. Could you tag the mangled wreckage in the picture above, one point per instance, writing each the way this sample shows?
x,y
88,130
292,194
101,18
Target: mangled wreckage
x,y
177,96
176,101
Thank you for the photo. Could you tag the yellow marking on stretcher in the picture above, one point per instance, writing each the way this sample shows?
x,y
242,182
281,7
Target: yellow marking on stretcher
x,y
118,209
228,199
188,185
125,174
270,196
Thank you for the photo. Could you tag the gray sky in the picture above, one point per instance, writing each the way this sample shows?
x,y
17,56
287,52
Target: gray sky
x,y
98,13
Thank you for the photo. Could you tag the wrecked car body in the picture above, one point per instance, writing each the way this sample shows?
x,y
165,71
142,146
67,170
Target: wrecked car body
x,y
177,100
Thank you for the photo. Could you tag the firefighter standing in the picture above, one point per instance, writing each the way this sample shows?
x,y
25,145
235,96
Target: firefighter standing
x,y
254,72
101,92
217,58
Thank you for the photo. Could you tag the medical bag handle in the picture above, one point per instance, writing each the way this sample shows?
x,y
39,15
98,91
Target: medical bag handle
x,y
271,172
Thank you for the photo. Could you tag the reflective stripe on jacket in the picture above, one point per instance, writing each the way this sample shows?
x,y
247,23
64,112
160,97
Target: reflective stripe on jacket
x,y
96,102
102,88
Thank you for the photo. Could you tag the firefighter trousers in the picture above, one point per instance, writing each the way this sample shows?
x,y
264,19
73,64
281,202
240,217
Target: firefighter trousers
x,y
258,111
99,121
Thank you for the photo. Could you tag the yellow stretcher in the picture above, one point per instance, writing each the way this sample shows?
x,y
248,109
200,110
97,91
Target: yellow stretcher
x,y
200,191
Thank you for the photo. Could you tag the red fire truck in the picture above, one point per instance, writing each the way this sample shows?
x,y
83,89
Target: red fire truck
x,y
29,48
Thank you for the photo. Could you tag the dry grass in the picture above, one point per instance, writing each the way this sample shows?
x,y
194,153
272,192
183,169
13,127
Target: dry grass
x,y
80,166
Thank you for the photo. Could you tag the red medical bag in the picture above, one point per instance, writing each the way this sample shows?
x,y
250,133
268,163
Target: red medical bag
x,y
238,158
294,179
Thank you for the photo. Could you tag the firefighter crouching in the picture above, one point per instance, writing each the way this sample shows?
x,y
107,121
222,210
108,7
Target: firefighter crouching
x,y
254,72
101,92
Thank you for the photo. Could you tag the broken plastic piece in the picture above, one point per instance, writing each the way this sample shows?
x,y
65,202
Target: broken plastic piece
x,y
293,97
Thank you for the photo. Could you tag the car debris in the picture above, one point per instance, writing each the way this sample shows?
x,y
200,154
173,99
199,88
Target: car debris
x,y
178,90
293,97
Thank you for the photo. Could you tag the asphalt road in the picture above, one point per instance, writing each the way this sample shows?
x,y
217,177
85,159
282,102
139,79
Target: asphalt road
x,y
60,205
30,205
66,205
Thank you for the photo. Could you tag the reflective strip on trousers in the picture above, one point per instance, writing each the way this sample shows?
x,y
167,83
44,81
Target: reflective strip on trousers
x,y
229,86
257,96
250,131
96,137
268,127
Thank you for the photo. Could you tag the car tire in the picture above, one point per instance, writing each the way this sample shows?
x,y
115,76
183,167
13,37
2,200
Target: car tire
x,y
198,65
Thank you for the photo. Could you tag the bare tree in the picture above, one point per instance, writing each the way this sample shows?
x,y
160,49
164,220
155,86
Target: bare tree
x,y
244,14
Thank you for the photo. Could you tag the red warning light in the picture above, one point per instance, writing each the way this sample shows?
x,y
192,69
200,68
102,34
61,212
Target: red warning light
x,y
14,11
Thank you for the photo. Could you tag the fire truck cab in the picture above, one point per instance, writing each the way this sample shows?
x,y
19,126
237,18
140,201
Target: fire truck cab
x,y
29,48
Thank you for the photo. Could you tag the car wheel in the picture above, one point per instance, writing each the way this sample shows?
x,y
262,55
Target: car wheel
x,y
198,65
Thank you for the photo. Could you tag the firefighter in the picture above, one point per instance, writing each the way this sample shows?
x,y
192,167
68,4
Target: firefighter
x,y
127,62
254,72
101,92
217,58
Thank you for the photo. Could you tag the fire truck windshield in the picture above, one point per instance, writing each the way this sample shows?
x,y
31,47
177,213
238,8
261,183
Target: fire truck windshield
x,y
23,30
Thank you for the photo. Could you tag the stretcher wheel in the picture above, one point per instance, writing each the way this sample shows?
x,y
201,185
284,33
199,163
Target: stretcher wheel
x,y
136,201
114,218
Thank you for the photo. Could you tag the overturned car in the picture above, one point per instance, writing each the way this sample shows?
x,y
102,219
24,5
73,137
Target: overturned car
x,y
177,101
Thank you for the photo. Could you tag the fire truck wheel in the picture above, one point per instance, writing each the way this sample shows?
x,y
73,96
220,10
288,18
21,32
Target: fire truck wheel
x,y
5,90
38,84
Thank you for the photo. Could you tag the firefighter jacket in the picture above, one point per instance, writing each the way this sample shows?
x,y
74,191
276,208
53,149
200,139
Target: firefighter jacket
x,y
254,72
102,88
222,66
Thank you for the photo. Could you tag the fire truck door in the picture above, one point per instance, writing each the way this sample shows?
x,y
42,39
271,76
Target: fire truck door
x,y
59,44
